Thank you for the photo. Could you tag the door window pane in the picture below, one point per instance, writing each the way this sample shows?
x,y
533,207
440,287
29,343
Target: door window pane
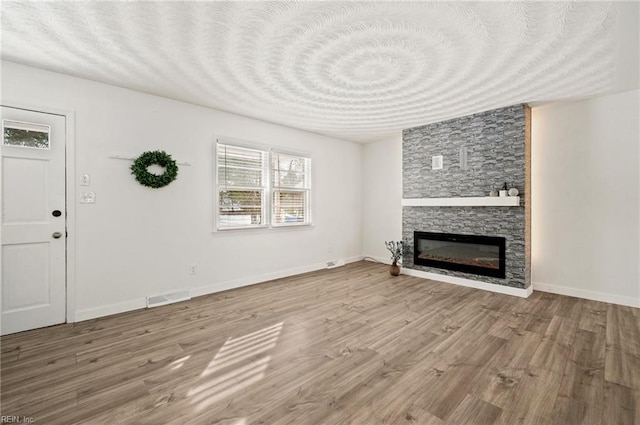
x,y
25,135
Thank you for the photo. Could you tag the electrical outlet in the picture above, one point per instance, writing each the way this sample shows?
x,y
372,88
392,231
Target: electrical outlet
x,y
193,269
85,180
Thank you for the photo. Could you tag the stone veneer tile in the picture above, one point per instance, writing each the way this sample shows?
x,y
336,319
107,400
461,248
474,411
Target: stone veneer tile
x,y
496,143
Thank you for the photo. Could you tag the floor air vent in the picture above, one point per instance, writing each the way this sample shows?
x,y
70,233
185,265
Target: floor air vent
x,y
173,297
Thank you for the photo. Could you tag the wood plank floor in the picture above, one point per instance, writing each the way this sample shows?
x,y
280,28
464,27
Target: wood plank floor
x,y
345,346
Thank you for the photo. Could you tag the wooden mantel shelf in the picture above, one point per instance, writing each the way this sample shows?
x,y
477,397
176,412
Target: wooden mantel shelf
x,y
482,201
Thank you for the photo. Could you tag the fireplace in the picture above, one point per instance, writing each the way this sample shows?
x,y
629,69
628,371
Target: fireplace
x,y
482,255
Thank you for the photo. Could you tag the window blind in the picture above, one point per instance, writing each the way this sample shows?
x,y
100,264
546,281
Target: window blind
x,y
241,174
291,182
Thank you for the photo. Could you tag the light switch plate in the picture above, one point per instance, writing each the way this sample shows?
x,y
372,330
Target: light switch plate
x,y
436,162
85,180
87,198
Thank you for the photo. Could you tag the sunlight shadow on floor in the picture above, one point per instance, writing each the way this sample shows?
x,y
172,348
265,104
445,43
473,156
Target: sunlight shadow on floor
x,y
235,366
177,364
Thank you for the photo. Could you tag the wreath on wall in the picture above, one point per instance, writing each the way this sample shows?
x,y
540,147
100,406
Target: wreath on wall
x,y
141,164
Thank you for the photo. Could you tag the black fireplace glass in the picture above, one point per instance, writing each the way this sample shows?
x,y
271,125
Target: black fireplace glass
x,y
482,255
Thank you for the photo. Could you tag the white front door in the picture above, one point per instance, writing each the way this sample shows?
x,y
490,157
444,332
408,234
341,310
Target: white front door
x,y
33,220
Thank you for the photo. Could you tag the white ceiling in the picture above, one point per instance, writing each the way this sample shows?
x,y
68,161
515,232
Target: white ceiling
x,y
354,70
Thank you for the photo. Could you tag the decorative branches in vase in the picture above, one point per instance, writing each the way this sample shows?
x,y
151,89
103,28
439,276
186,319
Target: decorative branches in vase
x,y
398,249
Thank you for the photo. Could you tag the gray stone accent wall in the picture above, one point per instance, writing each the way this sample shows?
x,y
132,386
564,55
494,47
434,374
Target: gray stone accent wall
x,y
497,151
507,222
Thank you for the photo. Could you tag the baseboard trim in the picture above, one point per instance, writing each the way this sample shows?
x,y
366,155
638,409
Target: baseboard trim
x,y
111,309
586,294
136,304
353,259
253,280
500,289
374,258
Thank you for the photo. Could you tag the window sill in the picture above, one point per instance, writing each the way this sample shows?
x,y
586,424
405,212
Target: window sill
x,y
225,229
263,229
284,226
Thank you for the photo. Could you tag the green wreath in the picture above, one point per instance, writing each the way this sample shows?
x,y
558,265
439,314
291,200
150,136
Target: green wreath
x,y
161,158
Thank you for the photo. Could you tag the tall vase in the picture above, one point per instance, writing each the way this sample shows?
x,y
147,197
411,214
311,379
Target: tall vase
x,y
394,270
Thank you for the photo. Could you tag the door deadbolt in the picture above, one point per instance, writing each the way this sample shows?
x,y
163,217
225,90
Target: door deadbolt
x,y
56,235
56,213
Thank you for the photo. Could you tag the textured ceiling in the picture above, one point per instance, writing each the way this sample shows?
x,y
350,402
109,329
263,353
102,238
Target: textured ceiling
x,y
356,70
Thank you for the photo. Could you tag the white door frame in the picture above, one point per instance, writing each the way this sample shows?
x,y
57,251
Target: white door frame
x,y
70,201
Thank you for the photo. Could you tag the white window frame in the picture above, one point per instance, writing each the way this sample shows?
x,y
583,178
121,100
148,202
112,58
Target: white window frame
x,y
264,187
267,184
307,190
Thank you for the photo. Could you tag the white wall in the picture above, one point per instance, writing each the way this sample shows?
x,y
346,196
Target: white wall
x,y
137,241
381,196
586,198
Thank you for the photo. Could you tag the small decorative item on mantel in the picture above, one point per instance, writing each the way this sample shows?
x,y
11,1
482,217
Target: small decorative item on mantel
x,y
503,191
513,192
397,249
493,193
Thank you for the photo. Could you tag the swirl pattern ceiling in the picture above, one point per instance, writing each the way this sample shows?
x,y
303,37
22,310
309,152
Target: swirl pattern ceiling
x,y
354,70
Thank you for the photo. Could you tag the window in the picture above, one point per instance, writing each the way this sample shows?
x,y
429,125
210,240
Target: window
x,y
241,186
25,135
260,188
291,184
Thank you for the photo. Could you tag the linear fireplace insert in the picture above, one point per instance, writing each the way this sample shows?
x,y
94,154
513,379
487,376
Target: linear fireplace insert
x,y
482,255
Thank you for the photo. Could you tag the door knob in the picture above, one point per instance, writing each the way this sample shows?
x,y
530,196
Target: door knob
x,y
56,213
56,235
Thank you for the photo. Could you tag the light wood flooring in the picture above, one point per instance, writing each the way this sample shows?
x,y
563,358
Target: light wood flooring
x,y
345,346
